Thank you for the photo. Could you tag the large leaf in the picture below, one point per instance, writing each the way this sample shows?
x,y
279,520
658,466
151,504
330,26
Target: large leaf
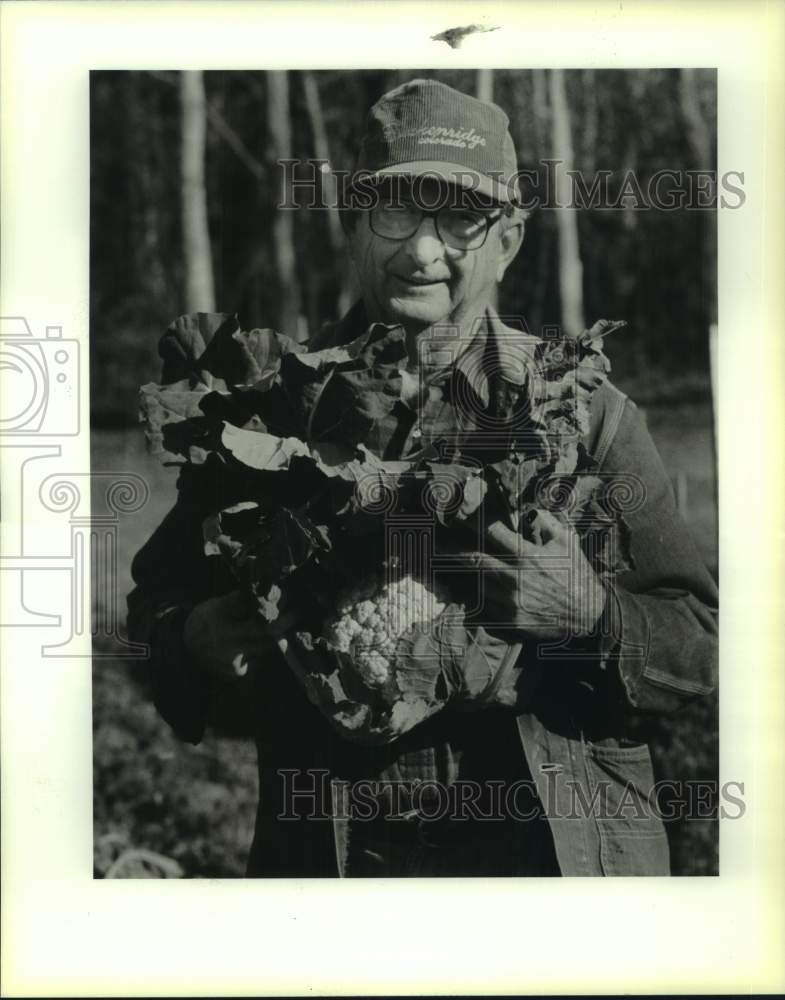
x,y
331,357
247,358
453,491
160,405
263,548
515,477
591,339
186,340
262,451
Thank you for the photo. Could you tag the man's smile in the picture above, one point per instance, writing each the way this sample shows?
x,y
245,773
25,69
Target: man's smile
x,y
418,281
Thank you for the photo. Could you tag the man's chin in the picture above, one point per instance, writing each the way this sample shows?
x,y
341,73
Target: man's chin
x,y
421,313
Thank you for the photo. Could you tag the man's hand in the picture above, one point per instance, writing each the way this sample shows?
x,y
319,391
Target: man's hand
x,y
220,634
546,591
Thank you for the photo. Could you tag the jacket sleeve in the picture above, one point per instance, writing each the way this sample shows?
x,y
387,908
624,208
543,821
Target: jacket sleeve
x,y
661,616
171,576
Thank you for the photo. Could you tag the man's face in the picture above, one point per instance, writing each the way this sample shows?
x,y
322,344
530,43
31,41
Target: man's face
x,y
420,280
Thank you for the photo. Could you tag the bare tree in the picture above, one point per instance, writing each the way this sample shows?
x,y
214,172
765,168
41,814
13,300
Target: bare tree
x,y
142,138
703,149
570,266
541,132
321,146
590,115
199,289
636,81
485,84
279,124
703,144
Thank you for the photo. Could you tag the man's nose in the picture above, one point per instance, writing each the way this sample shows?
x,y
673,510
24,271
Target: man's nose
x,y
424,245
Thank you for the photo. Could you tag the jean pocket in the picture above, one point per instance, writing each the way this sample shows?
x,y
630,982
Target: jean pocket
x,y
632,837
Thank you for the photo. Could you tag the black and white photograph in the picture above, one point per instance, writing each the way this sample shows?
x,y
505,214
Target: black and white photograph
x,y
427,573
391,417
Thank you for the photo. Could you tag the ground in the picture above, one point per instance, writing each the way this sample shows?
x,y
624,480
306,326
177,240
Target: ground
x,y
195,805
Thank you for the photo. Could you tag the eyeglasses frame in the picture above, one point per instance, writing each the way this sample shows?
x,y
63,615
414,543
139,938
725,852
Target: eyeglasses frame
x,y
490,221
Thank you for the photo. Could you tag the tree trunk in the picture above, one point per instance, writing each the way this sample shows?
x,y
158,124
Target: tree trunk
x,y
199,289
279,124
146,197
321,147
703,148
570,267
703,144
636,80
590,113
544,220
485,84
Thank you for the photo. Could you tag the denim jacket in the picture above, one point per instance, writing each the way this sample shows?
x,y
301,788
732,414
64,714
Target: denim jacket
x,y
657,651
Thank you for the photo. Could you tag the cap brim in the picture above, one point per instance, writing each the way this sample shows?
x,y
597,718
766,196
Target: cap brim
x,y
451,173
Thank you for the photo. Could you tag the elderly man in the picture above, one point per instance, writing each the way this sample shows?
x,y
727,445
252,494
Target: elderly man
x,y
556,784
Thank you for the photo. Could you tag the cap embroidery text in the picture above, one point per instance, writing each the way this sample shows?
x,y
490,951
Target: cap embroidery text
x,y
441,136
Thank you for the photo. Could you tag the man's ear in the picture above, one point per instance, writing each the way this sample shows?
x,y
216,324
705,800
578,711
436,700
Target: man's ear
x,y
511,239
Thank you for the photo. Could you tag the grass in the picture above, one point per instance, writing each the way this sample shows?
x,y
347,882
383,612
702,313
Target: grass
x,y
196,805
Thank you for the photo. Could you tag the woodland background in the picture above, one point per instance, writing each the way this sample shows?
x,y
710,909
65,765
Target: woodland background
x,y
184,187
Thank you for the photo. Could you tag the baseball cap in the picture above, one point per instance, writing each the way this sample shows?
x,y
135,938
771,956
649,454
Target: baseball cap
x,y
425,127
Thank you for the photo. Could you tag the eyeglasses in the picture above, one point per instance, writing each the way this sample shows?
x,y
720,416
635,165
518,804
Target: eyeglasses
x,y
459,228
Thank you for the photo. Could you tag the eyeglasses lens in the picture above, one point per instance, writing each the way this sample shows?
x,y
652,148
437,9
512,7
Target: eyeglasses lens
x,y
460,229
